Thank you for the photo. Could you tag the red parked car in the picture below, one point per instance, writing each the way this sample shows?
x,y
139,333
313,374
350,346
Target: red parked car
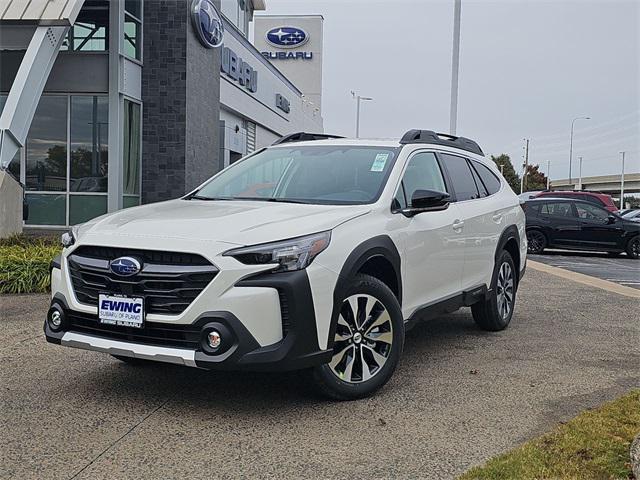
x,y
601,199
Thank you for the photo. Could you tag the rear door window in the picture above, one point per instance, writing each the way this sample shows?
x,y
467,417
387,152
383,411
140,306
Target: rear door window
x,y
461,175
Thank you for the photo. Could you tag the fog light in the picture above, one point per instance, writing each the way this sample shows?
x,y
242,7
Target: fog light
x,y
214,339
56,318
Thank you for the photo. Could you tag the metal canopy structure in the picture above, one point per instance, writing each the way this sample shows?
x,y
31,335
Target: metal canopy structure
x,y
52,19
41,12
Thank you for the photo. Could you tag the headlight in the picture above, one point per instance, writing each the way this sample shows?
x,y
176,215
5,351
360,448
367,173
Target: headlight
x,y
294,254
69,238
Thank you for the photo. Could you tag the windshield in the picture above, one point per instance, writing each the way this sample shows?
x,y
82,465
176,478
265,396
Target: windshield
x,y
333,175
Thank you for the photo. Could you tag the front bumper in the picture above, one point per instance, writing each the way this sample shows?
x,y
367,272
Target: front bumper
x,y
185,344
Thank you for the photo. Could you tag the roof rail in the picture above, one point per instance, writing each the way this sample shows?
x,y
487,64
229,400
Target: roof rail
x,y
304,137
429,136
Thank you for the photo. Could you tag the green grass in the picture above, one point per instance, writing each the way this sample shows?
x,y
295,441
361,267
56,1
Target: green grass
x,y
594,445
24,263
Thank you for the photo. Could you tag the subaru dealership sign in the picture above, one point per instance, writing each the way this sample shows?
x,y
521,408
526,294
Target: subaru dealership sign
x,y
285,39
207,23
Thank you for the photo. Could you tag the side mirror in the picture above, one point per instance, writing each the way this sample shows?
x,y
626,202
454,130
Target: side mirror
x,y
427,201
611,219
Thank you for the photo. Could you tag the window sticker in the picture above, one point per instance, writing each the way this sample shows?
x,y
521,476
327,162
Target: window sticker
x,y
379,162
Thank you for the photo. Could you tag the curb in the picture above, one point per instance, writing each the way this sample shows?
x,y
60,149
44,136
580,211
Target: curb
x,y
634,452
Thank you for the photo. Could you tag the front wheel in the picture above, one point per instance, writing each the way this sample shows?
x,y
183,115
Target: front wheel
x,y
368,342
494,313
633,247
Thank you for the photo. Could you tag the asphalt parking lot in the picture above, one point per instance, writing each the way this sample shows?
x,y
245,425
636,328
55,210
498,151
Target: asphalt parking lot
x,y
459,397
621,269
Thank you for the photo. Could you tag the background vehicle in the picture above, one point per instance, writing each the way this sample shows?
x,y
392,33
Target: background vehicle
x,y
307,254
601,199
633,215
578,225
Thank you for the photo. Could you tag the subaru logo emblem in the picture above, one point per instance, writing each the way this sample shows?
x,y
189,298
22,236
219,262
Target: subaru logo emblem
x,y
287,37
207,23
125,266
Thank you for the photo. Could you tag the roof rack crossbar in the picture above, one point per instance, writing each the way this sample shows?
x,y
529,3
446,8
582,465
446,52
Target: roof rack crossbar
x,y
429,136
304,137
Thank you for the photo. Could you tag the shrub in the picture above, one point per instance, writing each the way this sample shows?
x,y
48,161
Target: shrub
x,y
24,264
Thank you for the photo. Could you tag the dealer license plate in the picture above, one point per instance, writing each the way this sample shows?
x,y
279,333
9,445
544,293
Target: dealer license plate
x,y
121,311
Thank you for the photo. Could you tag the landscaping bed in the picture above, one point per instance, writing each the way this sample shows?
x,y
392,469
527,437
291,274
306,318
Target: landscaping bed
x,y
24,263
594,445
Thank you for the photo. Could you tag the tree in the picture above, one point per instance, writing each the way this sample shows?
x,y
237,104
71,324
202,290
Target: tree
x,y
534,179
508,171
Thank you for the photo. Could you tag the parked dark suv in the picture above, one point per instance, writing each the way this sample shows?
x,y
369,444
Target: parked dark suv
x,y
578,225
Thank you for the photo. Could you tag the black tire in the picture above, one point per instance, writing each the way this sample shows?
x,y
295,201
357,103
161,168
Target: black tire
x,y
633,247
490,314
348,351
536,241
132,360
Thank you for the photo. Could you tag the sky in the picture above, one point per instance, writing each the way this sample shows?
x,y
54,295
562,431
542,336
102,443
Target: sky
x,y
527,68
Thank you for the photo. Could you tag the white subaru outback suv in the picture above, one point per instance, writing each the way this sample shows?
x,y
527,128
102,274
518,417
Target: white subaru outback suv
x,y
315,253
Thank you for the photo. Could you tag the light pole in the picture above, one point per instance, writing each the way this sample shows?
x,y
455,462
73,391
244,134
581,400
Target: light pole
x,y
358,99
455,66
622,184
571,144
548,174
580,174
524,166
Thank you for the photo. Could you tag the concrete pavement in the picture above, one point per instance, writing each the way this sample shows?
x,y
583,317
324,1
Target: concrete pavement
x,y
459,397
620,269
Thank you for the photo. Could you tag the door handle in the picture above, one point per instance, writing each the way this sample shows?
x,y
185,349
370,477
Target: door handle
x,y
458,225
497,217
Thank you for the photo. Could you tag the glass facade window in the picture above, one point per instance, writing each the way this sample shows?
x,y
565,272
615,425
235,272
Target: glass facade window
x,y
85,207
132,44
90,33
89,144
46,159
238,13
131,154
46,209
65,163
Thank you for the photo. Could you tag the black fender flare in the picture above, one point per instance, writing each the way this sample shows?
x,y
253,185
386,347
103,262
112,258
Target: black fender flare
x,y
379,246
509,233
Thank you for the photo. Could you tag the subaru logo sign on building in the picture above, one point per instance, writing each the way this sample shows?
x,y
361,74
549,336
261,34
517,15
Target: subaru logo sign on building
x,y
125,266
287,37
207,23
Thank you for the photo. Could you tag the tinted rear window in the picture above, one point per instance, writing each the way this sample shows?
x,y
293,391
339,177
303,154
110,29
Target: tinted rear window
x,y
459,170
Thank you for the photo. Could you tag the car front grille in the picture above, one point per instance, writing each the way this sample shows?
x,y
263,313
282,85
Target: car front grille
x,y
168,281
153,333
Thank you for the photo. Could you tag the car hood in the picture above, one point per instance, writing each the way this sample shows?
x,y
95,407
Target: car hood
x,y
234,222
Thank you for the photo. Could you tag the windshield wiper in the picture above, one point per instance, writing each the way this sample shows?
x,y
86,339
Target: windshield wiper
x,y
198,197
287,200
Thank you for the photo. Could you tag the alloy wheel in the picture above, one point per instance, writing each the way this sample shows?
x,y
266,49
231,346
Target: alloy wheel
x,y
363,339
635,247
504,290
535,241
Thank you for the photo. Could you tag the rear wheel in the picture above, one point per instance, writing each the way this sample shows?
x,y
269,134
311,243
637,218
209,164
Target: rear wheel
x,y
368,342
633,247
536,241
494,313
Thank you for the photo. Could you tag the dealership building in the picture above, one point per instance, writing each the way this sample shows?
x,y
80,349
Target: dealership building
x,y
146,100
